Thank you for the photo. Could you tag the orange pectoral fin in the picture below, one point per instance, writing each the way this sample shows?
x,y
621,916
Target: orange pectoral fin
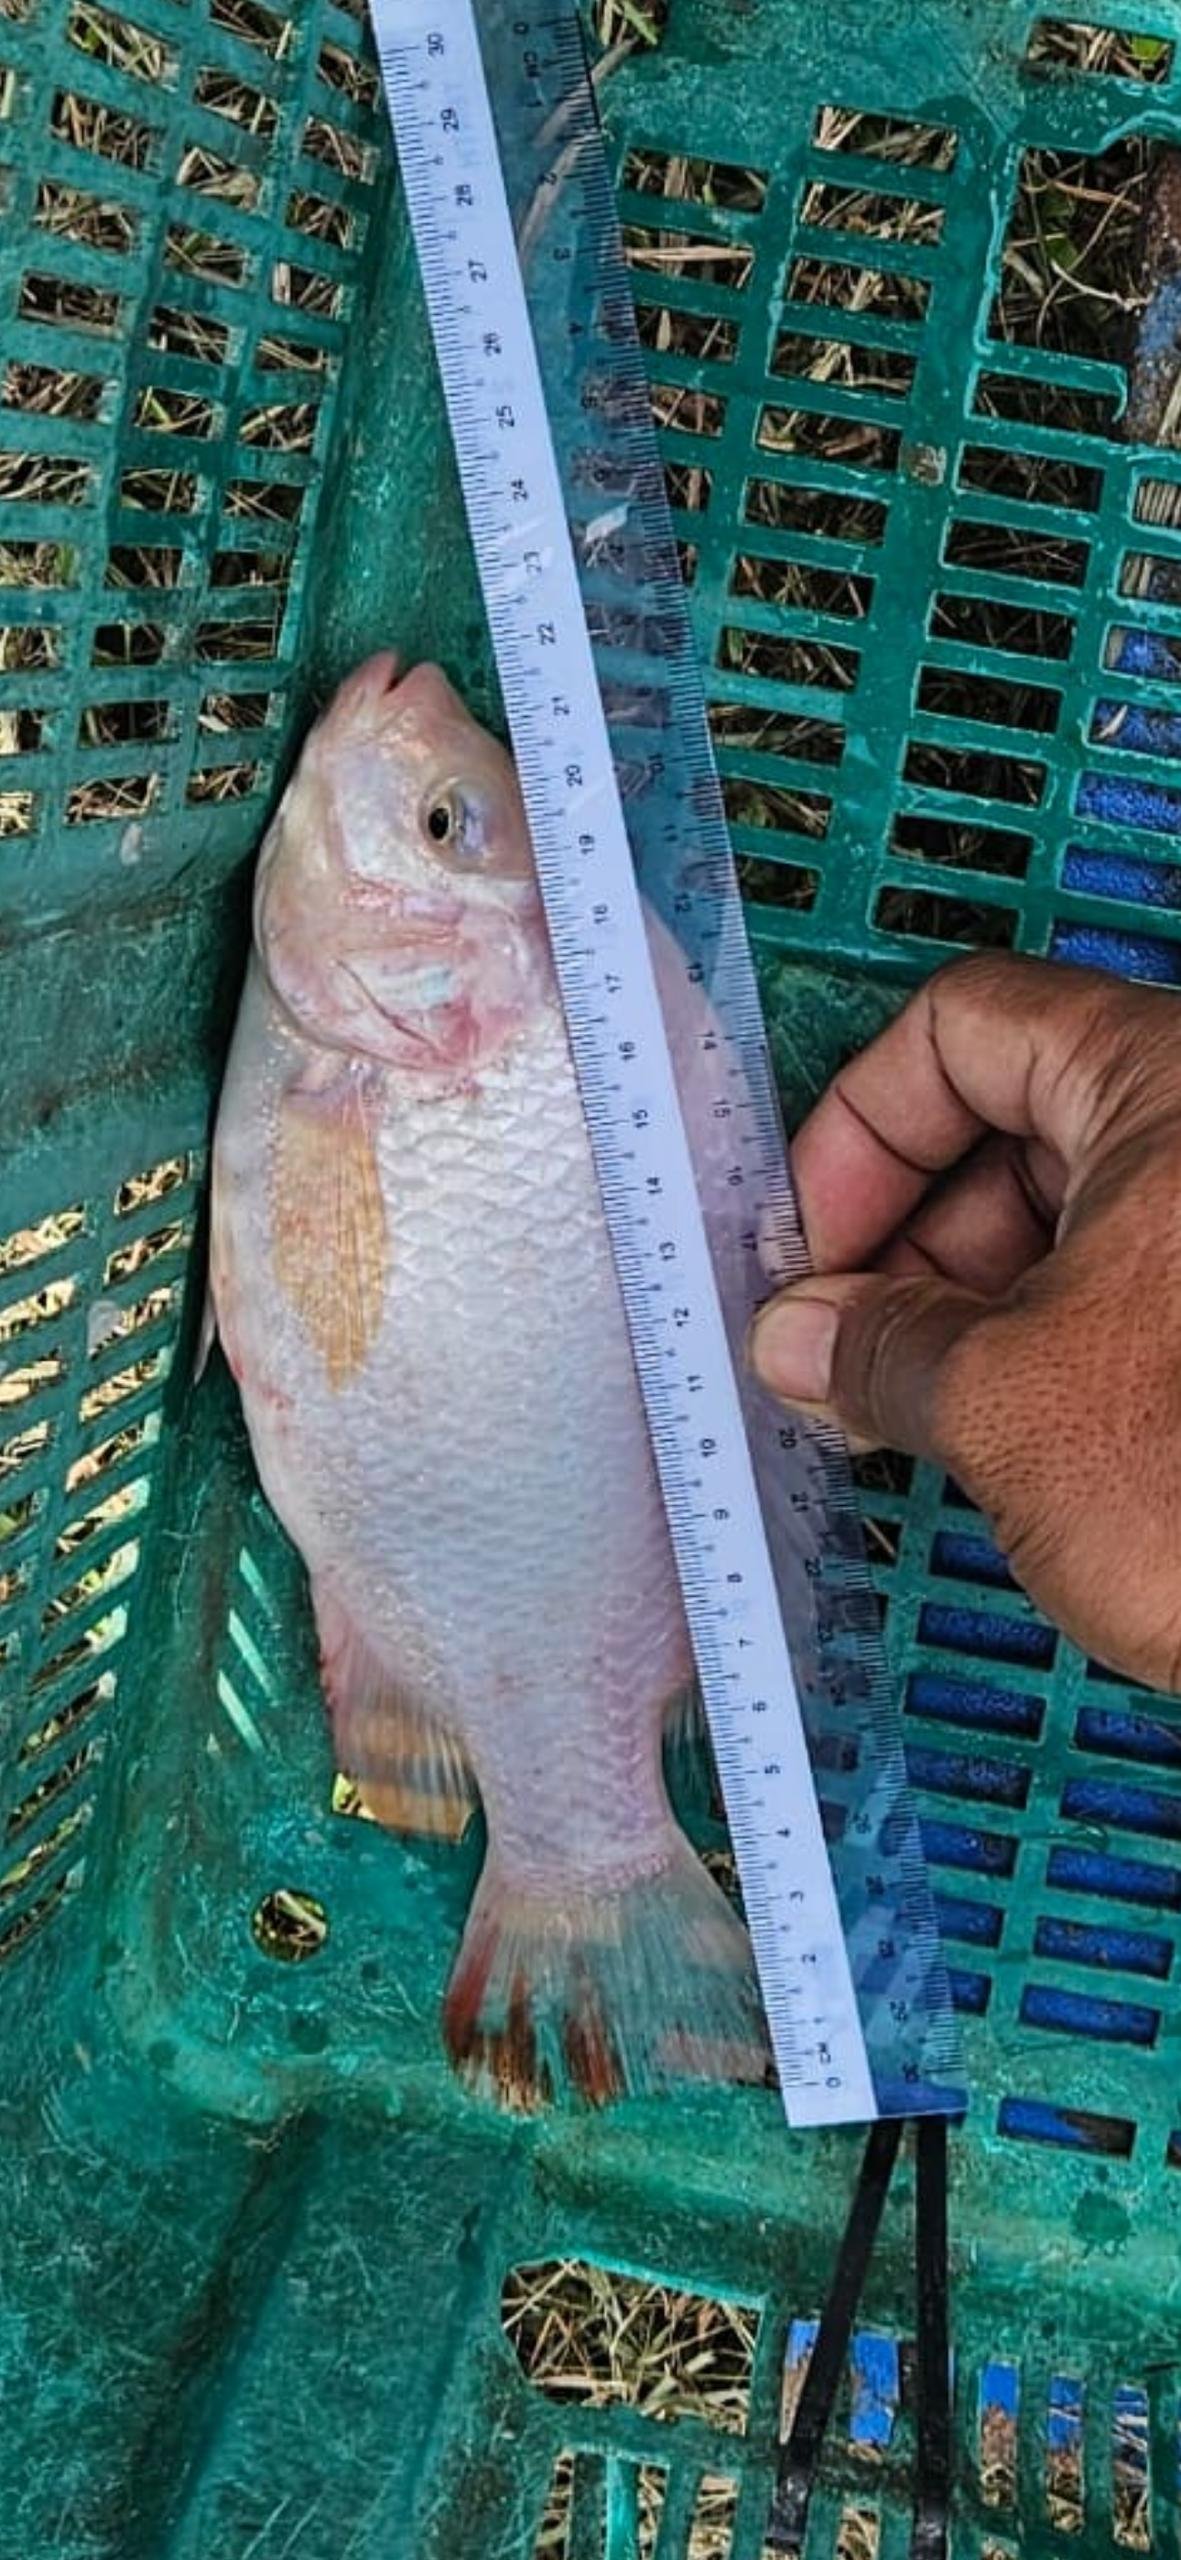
x,y
331,1243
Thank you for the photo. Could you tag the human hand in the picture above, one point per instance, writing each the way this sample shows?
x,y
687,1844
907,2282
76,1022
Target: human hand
x,y
992,1198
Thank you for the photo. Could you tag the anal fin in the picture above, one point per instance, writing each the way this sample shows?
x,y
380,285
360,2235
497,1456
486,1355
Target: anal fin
x,y
411,1774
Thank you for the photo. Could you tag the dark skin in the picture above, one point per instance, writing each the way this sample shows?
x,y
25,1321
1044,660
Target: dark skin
x,y
992,1197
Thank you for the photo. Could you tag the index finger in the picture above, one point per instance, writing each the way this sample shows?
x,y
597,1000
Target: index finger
x,y
993,1042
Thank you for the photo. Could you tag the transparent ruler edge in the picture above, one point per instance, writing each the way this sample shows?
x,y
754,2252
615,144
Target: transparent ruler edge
x,y
435,82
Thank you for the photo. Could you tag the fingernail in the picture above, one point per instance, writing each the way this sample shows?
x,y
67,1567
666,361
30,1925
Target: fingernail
x,y
792,1348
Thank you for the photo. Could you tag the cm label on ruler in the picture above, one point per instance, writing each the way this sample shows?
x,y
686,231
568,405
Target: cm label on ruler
x,y
855,2032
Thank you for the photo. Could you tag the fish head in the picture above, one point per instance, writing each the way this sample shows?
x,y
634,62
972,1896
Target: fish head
x,y
397,911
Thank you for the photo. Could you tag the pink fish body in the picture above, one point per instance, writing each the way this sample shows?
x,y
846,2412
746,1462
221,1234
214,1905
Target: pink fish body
x,y
414,1287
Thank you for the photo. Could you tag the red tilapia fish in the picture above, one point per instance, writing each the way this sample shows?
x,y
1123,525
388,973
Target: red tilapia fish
x,y
413,1283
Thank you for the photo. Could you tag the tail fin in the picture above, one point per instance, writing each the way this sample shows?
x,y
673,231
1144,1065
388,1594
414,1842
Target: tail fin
x,y
604,1994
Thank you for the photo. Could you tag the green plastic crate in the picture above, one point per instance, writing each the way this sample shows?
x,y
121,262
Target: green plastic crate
x,y
253,2242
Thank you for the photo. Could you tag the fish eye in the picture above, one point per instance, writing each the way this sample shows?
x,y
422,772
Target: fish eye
x,y
442,819
451,824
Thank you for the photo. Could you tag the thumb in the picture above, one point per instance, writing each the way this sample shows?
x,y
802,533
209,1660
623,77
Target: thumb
x,y
870,1353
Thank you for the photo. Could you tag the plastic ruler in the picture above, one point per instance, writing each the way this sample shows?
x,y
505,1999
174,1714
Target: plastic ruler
x,y
511,202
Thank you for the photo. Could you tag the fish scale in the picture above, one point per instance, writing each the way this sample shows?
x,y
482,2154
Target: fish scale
x,y
546,391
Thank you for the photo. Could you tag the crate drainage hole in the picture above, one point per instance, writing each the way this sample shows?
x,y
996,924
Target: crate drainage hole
x,y
622,2504
591,2337
289,1926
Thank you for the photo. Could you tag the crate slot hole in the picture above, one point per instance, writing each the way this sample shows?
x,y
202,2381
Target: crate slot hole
x,y
1130,2468
1039,479
32,1920
1063,2455
38,564
306,289
987,1633
1148,958
95,1584
1140,731
688,486
219,642
592,2336
53,391
60,301
950,694
76,1712
190,251
836,515
1013,552
50,1790
899,140
685,179
1072,267
1097,1873
350,77
837,284
1084,45
29,1377
976,1705
119,44
225,94
14,1584
47,1235
1146,805
143,564
127,795
697,334
120,1504
289,1925
223,782
707,256
883,1540
974,1778
924,916
853,367
116,724
123,1384
976,773
771,806
42,1306
319,219
965,1923
1077,2013
1105,1948
251,23
870,214
128,644
1066,2128
335,149
17,813
20,1446
1143,653
73,213
960,847
999,2416
1026,403
981,622
209,173
110,132
883,1471
1111,875
44,479
43,1852
19,1515
802,584
824,437
976,1852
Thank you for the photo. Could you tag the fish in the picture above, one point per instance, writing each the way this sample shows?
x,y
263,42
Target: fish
x,y
413,1284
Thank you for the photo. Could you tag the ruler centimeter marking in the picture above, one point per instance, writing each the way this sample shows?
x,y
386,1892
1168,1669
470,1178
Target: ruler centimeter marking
x,y
437,89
